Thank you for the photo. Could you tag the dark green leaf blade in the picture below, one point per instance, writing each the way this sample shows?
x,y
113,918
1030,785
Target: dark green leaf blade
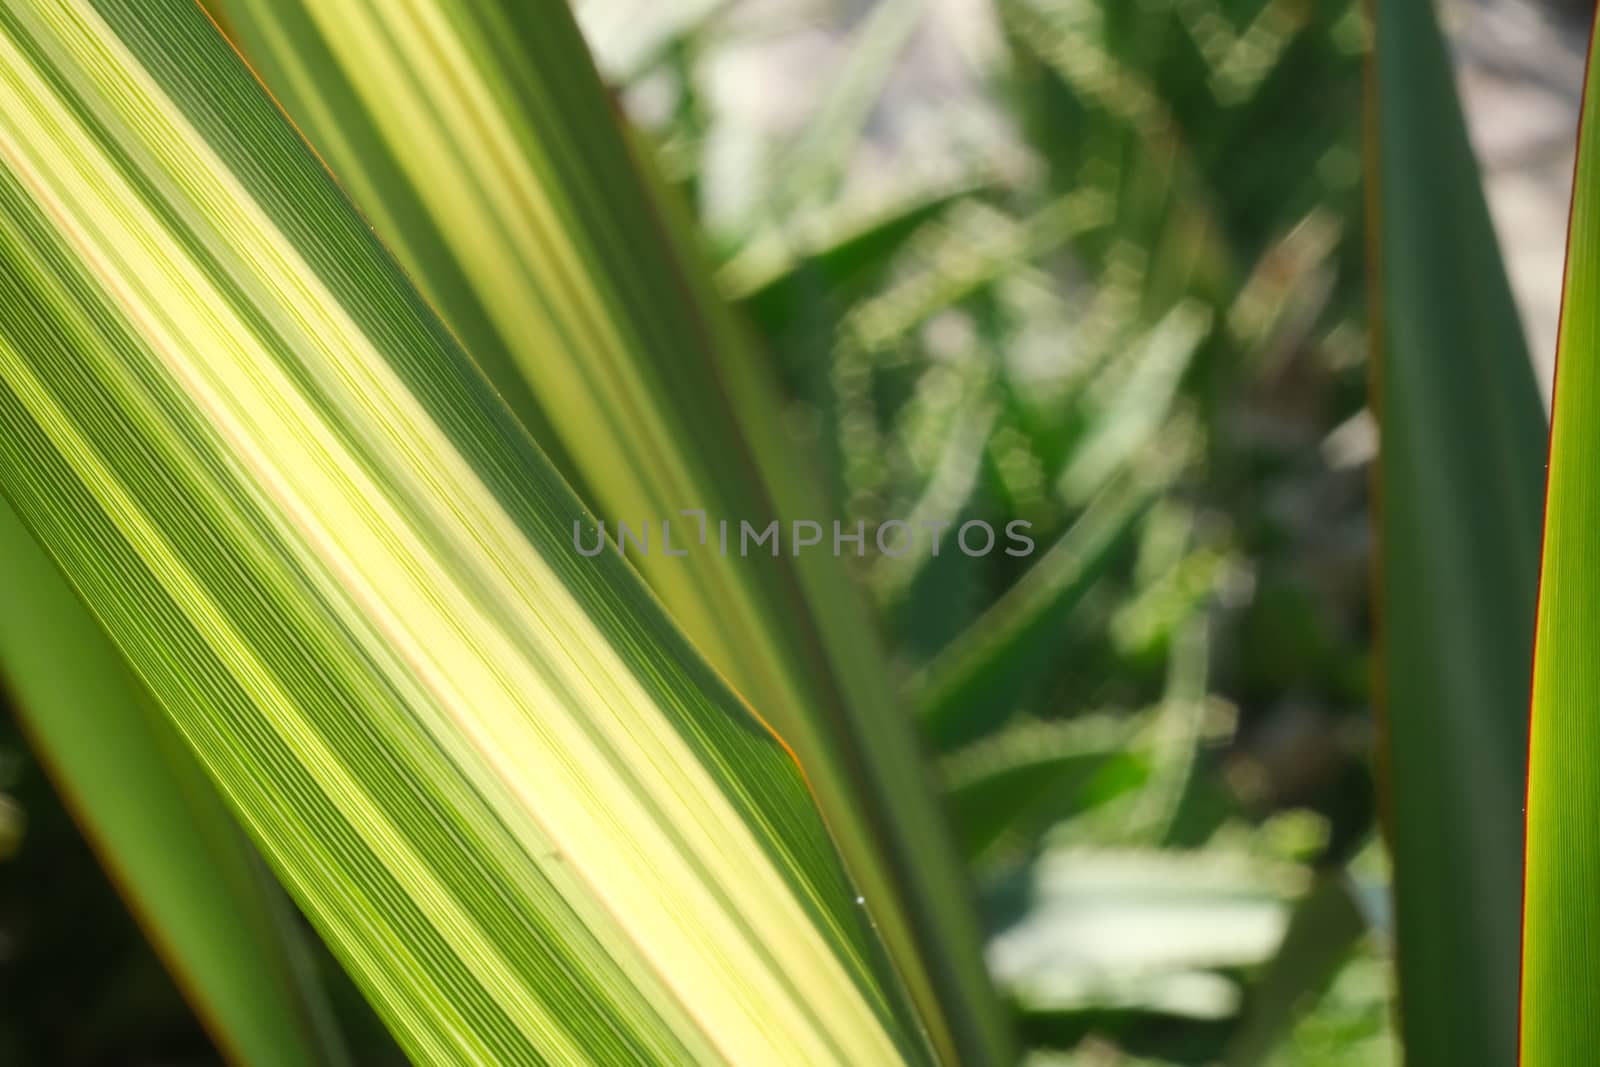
x,y
1460,478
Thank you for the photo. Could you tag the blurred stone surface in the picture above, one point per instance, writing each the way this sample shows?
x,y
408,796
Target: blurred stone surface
x,y
1520,67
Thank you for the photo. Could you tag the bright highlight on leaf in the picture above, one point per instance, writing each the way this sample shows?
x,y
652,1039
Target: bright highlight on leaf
x,y
1561,922
529,820
479,142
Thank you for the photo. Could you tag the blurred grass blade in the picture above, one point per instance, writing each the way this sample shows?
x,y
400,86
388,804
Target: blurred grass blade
x,y
963,253
972,686
1562,920
1324,929
1174,738
479,142
814,164
1127,416
154,820
847,253
1008,789
1460,474
525,815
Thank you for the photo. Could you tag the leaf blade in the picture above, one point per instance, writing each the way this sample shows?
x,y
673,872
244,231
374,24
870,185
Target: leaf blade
x,y
1559,918
563,246
1460,486
519,807
154,821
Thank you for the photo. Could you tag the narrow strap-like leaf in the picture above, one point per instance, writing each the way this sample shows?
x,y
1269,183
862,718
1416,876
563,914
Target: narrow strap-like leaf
x,y
1460,481
173,851
1561,931
479,142
519,807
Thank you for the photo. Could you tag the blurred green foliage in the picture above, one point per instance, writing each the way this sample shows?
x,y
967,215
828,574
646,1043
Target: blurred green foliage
x,y
1132,315
1127,309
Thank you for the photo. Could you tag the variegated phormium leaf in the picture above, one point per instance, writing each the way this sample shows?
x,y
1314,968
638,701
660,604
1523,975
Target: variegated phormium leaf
x,y
174,853
479,141
519,807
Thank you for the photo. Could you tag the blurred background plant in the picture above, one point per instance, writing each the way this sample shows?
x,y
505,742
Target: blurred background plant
x,y
1090,264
